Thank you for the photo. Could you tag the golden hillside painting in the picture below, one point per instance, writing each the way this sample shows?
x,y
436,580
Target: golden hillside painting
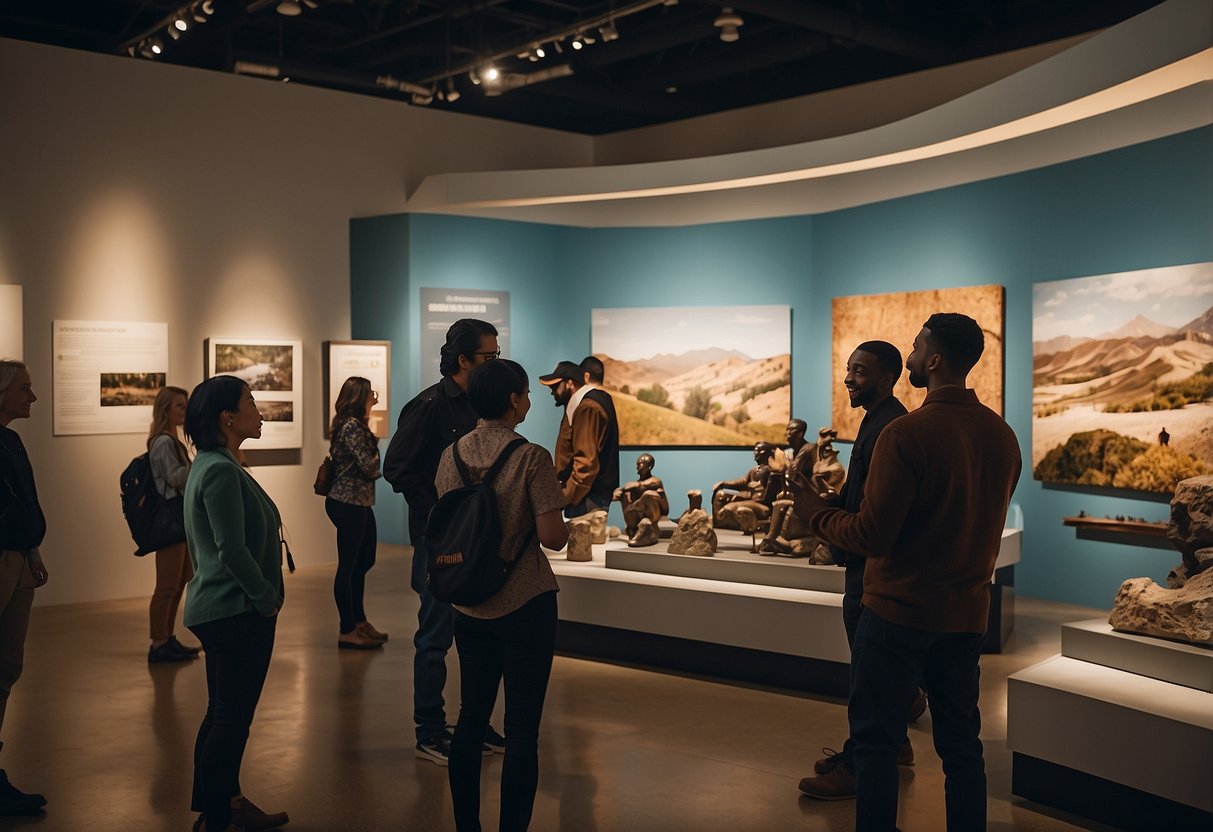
x,y
703,376
897,317
1122,374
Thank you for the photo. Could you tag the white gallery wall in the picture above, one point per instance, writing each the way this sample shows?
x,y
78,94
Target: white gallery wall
x,y
133,191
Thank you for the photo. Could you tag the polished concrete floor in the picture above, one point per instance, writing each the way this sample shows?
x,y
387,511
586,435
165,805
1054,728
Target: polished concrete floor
x,y
109,739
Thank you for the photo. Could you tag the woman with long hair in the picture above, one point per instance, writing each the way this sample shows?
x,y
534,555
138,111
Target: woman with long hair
x,y
170,464
232,527
354,453
512,635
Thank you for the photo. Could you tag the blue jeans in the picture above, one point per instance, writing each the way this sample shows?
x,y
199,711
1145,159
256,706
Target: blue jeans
x,y
435,633
518,648
887,663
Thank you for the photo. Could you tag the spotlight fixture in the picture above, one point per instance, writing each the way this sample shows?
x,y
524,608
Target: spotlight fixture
x,y
156,46
173,33
452,92
208,7
180,24
728,24
490,74
559,49
608,32
290,8
577,43
422,99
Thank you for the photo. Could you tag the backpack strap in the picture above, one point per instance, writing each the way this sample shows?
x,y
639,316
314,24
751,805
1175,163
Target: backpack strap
x,y
502,458
459,464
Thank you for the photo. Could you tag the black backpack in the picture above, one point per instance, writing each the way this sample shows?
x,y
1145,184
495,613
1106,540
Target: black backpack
x,y
155,522
463,538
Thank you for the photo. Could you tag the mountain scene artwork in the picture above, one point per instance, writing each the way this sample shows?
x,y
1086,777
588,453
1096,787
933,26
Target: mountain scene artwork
x,y
1122,377
703,376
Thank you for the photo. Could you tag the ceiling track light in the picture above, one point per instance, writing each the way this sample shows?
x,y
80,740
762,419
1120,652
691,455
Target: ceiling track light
x,y
609,32
290,8
729,25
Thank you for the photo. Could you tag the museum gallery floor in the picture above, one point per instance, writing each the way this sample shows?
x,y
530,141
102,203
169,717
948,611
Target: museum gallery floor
x,y
108,739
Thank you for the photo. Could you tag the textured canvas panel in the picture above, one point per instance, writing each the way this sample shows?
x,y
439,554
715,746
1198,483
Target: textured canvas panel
x,y
704,376
1122,374
897,317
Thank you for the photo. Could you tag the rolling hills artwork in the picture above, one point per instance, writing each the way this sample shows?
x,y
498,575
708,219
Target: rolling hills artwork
x,y
897,317
697,376
1122,376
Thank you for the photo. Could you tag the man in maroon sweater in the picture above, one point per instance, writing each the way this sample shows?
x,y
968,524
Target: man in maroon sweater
x,y
930,525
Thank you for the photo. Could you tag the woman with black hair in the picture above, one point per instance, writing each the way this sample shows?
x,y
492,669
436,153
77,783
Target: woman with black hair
x,y
512,635
232,528
354,455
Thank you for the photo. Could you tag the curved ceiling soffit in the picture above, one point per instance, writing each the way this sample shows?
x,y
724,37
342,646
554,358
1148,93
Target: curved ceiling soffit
x,y
1107,73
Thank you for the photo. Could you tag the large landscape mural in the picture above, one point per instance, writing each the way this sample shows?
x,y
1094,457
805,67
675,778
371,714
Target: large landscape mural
x,y
697,376
1122,374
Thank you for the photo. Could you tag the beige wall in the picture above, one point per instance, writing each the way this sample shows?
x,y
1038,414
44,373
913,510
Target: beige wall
x,y
220,204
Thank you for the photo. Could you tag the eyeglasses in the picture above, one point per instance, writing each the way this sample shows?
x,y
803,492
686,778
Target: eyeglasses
x,y
489,356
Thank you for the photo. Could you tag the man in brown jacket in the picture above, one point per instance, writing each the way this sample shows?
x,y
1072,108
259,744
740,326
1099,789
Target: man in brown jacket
x,y
587,447
930,524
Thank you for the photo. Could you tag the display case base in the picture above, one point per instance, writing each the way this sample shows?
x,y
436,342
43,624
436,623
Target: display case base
x,y
1179,663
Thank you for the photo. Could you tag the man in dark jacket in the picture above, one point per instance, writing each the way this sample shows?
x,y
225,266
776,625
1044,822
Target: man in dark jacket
x,y
435,418
872,371
930,525
587,446
22,527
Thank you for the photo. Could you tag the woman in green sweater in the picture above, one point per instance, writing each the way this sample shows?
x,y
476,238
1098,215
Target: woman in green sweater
x,y
232,528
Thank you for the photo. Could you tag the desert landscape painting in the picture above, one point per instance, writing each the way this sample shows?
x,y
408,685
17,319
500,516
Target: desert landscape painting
x,y
897,317
697,376
1122,374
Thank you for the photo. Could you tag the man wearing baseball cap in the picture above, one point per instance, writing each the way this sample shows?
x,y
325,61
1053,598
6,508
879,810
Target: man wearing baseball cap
x,y
587,447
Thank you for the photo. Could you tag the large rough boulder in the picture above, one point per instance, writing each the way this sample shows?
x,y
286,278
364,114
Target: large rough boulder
x,y
694,535
1143,606
580,537
1190,529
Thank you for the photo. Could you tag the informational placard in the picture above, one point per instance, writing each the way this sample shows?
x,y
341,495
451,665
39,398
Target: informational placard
x,y
273,370
12,338
442,307
371,360
106,375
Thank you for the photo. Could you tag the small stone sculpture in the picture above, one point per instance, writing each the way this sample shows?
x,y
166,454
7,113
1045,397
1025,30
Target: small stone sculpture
x,y
580,535
788,534
694,535
646,534
745,502
1185,611
642,499
598,526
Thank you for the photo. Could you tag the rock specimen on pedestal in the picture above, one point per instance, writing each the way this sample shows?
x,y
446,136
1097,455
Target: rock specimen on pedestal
x,y
1143,606
1190,529
598,526
614,532
1184,612
580,536
821,555
694,535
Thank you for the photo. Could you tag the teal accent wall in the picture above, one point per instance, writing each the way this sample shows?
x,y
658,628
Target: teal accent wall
x,y
1142,206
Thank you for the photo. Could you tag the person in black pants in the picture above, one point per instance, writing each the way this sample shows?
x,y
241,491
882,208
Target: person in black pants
x,y
354,453
510,636
435,418
232,528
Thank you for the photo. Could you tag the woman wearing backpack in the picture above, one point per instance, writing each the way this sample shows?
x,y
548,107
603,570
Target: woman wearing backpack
x,y
232,527
354,455
170,463
512,635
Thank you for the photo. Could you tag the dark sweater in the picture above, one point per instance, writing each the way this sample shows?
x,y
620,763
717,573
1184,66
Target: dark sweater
x,y
933,511
22,524
851,495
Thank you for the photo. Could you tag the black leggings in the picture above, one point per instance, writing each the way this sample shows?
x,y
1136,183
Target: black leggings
x,y
238,651
518,647
357,537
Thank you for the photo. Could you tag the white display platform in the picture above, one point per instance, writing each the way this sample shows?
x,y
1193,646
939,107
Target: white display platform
x,y
1183,664
733,561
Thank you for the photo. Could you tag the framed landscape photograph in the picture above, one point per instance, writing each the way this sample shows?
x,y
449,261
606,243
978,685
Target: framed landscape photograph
x,y
697,376
897,317
1122,375
272,367
371,360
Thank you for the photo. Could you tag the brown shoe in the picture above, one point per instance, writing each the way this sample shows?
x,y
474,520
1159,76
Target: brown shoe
x,y
836,784
355,640
247,815
918,706
827,763
370,632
